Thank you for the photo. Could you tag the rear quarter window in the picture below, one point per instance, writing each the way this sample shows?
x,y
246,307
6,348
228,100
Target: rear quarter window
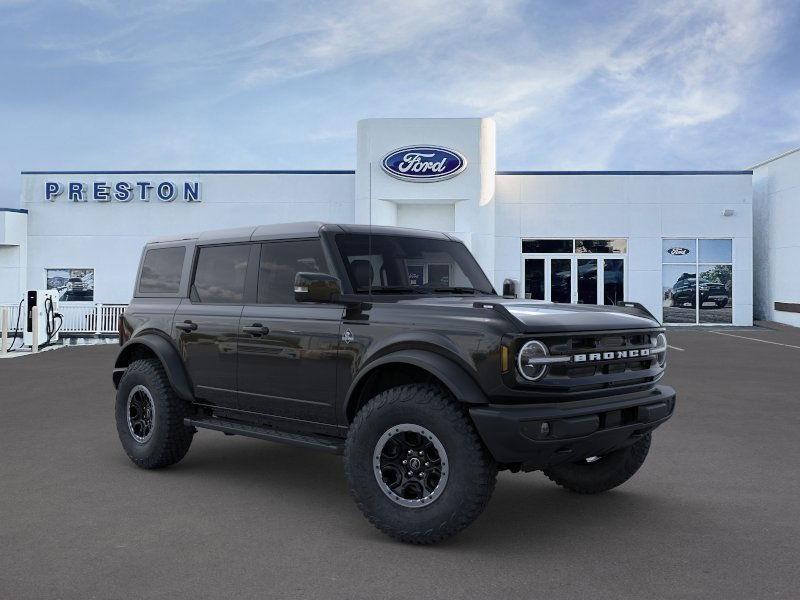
x,y
161,270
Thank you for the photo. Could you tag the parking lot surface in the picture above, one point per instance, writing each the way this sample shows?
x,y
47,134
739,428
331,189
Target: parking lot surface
x,y
712,514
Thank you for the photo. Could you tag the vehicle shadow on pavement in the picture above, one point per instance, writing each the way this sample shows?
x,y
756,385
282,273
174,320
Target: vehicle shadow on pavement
x,y
526,512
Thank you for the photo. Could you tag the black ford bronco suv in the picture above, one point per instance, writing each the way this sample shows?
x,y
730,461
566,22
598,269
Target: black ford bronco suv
x,y
389,346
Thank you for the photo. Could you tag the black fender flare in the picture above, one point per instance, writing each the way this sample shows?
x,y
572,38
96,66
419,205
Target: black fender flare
x,y
460,383
166,352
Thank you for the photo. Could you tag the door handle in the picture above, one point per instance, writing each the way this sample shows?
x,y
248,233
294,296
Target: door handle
x,y
186,326
256,329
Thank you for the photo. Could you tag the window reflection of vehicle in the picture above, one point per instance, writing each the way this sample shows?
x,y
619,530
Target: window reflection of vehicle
x,y
683,292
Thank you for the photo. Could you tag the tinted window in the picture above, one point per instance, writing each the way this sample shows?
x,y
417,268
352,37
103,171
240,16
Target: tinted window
x,y
161,271
547,246
601,246
280,262
220,272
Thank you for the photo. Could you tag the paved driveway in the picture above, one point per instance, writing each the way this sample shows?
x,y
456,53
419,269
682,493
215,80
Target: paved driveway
x,y
712,514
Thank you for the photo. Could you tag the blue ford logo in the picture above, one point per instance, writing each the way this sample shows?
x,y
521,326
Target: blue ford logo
x,y
424,163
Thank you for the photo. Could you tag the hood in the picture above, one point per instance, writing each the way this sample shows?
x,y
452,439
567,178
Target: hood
x,y
546,317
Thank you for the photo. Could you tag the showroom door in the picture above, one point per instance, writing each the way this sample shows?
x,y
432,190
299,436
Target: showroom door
x,y
574,279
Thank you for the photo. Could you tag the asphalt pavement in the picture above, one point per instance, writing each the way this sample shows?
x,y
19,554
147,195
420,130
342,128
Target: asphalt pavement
x,y
714,512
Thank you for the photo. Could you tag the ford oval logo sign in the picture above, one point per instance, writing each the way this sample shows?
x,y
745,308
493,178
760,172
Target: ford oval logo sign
x,y
678,251
424,163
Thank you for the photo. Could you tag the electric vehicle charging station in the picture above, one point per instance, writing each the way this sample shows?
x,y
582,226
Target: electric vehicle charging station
x,y
42,319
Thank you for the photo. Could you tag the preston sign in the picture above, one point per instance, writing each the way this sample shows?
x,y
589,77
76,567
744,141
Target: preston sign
x,y
123,191
423,163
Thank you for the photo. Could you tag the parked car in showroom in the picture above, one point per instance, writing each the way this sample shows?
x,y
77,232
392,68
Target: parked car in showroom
x,y
389,346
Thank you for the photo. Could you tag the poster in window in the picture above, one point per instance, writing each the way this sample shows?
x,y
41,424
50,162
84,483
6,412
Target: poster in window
x,y
73,285
679,287
416,274
439,275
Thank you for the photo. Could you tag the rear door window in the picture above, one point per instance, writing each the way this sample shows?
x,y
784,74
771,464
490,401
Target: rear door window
x,y
220,274
161,270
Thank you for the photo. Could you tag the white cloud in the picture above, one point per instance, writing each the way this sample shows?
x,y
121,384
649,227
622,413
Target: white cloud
x,y
336,34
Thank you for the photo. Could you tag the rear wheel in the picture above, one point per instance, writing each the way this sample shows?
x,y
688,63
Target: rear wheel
x,y
150,416
415,465
601,473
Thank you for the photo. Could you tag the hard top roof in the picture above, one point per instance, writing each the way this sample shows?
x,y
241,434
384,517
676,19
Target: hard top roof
x,y
304,229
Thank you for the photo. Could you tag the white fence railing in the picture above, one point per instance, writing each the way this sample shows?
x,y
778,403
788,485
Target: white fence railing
x,y
77,317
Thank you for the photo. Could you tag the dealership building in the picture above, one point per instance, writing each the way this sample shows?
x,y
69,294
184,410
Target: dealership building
x,y
680,243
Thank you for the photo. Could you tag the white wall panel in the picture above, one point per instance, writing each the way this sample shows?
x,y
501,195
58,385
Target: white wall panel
x,y
775,236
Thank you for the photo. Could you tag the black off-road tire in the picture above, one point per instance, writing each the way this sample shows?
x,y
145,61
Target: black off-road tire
x,y
170,438
606,473
472,470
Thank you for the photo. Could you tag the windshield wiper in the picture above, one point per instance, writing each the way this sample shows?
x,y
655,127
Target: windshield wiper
x,y
457,290
391,289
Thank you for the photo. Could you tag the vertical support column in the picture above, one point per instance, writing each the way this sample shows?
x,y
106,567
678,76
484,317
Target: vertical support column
x,y
35,327
4,330
98,316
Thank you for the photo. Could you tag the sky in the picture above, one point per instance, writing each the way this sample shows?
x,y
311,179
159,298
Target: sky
x,y
245,84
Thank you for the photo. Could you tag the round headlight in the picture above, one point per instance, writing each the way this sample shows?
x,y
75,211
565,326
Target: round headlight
x,y
660,349
529,360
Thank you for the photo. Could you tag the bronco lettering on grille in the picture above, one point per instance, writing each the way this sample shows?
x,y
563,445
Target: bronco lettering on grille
x,y
615,355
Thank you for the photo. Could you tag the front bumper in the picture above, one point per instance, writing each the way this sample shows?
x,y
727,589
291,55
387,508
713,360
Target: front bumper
x,y
542,435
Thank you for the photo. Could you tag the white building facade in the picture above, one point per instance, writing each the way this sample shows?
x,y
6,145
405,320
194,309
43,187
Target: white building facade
x,y
776,198
680,243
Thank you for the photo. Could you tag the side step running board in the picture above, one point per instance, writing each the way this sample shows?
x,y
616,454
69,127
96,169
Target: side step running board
x,y
319,442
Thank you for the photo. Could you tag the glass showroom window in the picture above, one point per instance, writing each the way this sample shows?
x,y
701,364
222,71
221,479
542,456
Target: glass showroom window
x,y
578,271
690,299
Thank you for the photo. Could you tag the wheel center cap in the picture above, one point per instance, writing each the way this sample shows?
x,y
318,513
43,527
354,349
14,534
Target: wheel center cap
x,y
414,463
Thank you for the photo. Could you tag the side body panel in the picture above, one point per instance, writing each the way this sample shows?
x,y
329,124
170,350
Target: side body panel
x,y
289,371
209,351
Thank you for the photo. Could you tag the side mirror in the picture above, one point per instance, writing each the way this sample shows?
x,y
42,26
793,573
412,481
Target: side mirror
x,y
509,288
316,287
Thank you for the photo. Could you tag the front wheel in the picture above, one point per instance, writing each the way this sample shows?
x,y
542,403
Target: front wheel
x,y
416,466
601,473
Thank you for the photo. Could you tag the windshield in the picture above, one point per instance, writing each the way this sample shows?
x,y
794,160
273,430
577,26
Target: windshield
x,y
410,265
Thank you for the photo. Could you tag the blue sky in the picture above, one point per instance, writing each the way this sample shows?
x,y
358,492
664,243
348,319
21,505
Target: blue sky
x,y
194,84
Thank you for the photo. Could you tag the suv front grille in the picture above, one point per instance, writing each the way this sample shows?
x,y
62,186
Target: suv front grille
x,y
601,373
